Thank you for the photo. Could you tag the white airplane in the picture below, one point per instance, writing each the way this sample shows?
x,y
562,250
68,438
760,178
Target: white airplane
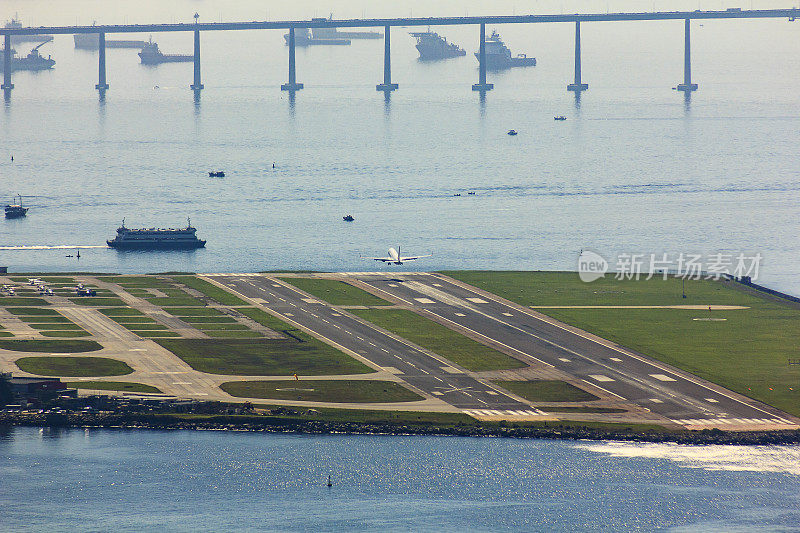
x,y
395,258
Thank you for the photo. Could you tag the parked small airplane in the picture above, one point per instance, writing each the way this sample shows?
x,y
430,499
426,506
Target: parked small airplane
x,y
395,258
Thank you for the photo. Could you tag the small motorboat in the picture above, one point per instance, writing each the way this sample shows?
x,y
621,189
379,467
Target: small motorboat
x,y
348,218
16,210
560,117
512,132
217,174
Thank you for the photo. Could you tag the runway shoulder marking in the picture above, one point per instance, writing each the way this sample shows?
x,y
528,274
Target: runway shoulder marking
x,y
425,300
727,422
600,377
507,413
662,377
477,300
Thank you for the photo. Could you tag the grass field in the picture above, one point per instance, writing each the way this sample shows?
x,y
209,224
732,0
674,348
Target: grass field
x,y
73,366
210,290
98,301
748,352
193,311
440,340
335,292
200,320
66,333
141,282
349,391
232,334
121,311
264,357
21,301
122,386
55,346
25,311
547,391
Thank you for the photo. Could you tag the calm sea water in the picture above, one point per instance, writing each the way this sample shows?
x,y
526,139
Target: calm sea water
x,y
101,480
633,169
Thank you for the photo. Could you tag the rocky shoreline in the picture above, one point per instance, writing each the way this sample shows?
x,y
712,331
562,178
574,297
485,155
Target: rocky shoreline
x,y
269,424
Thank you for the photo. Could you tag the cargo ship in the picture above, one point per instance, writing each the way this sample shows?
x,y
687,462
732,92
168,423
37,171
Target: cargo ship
x,y
16,210
432,46
15,24
156,238
91,41
33,61
498,56
303,37
334,33
151,55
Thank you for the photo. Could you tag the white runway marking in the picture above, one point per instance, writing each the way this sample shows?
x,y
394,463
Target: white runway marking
x,y
655,400
617,359
507,314
477,300
600,377
565,359
310,301
425,300
712,400
460,314
662,377
288,314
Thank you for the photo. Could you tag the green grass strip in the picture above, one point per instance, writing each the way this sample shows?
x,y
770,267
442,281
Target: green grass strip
x,y
73,366
335,292
122,386
344,391
209,289
98,301
449,344
34,345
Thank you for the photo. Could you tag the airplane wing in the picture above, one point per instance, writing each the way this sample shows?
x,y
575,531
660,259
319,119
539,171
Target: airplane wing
x,y
413,257
384,259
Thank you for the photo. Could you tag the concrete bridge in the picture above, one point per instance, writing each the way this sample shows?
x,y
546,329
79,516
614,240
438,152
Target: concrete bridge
x,y
387,86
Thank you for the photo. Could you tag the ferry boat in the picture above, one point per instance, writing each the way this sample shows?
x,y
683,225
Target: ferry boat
x,y
33,61
15,24
16,210
151,55
432,46
334,33
303,37
156,238
498,56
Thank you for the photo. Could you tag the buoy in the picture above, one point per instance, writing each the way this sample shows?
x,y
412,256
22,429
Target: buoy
x,y
329,482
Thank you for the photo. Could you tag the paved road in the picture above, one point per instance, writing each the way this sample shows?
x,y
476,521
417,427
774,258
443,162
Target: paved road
x,y
413,365
678,396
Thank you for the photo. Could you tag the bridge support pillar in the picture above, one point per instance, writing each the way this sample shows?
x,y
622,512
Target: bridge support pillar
x,y
687,86
482,85
101,63
292,85
577,86
197,85
387,84
7,85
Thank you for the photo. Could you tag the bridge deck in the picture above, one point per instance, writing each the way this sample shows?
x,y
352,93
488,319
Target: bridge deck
x,y
429,21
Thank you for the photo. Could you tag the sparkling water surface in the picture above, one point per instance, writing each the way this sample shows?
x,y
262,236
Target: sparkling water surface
x,y
100,480
634,169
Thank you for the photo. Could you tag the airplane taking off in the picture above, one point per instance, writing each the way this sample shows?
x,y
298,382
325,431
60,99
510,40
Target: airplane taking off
x,y
395,258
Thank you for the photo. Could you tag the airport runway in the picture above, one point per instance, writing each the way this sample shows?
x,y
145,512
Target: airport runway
x,y
414,366
678,396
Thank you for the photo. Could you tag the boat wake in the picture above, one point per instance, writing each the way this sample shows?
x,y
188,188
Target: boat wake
x,y
782,459
53,247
